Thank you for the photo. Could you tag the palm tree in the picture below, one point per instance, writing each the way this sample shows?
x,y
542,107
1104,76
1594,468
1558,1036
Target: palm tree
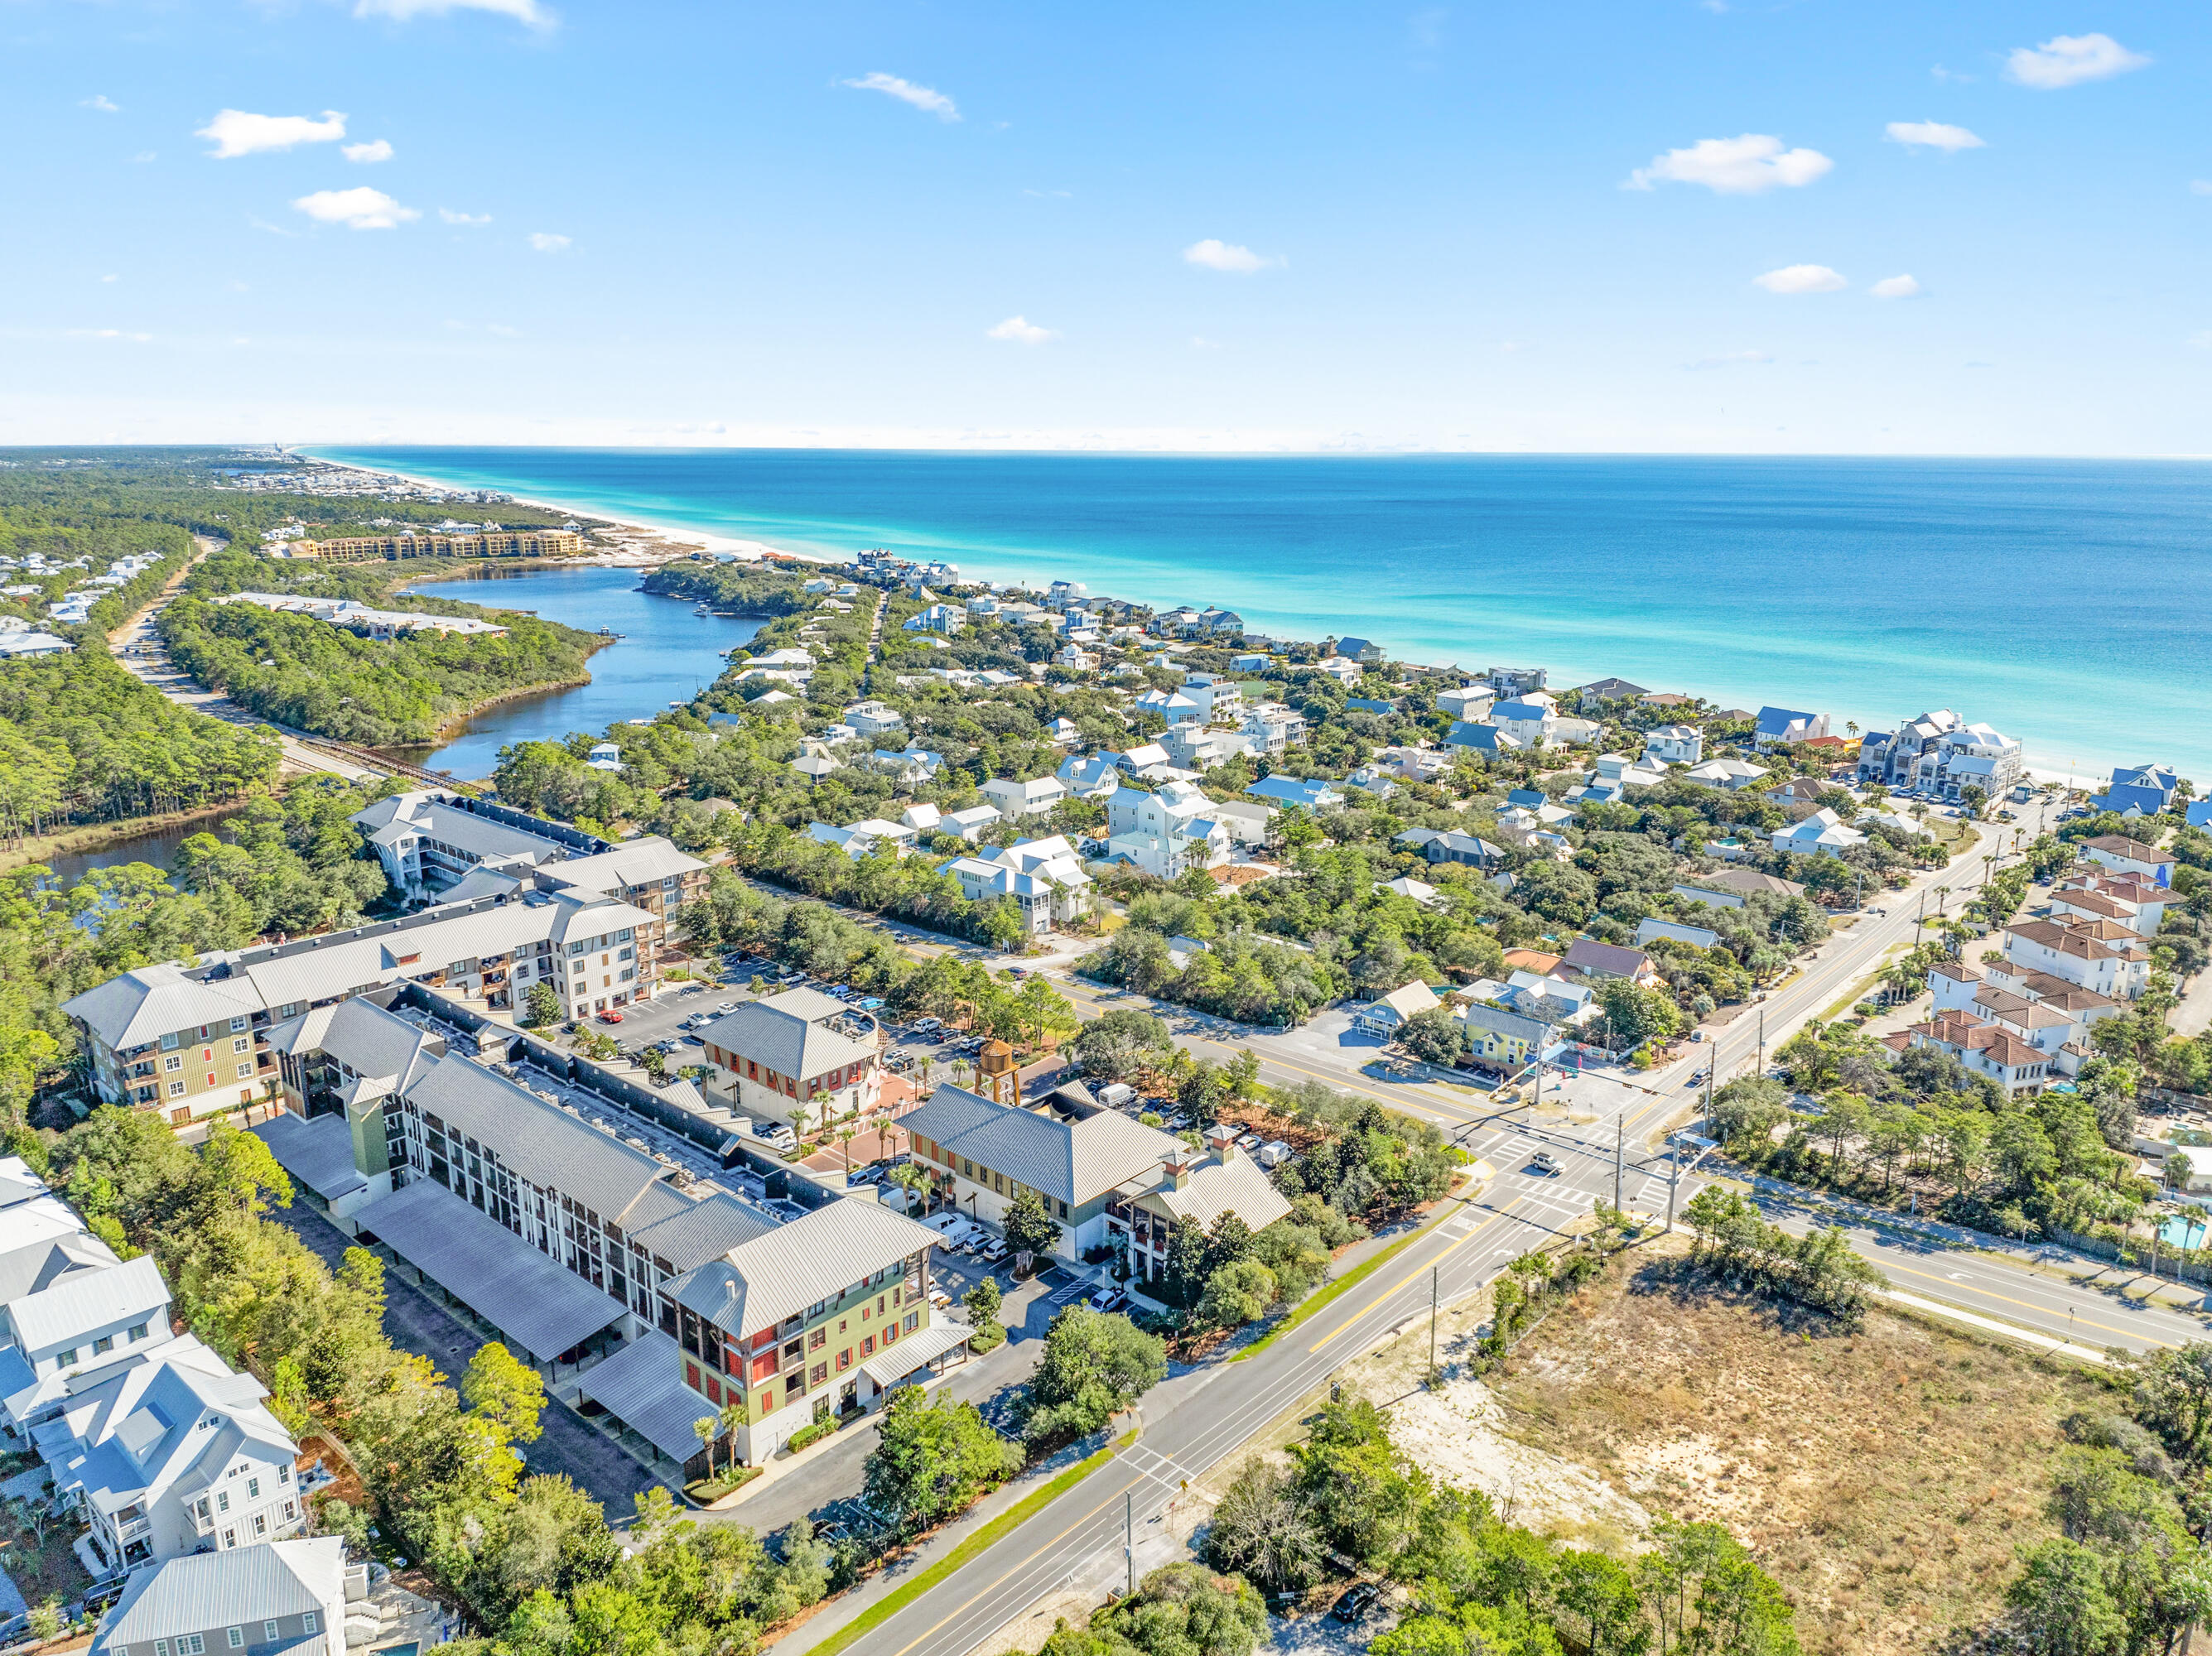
x,y
734,1419
707,1427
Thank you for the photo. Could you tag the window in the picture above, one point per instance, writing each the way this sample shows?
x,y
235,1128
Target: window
x,y
269,1630
243,1044
191,1644
260,1523
105,1342
137,1331
815,1339
844,1360
172,1064
238,1638
64,1358
246,1072
161,1647
291,1511
253,1489
818,1373
284,1474
176,1089
308,1622
222,1501
868,1345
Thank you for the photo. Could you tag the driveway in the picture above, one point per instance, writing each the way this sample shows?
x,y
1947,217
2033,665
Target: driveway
x,y
416,1322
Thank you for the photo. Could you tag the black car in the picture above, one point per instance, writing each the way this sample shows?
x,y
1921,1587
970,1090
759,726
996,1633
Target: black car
x,y
1359,1598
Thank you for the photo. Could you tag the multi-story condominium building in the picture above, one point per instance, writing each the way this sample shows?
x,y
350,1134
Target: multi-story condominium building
x,y
798,1057
287,1599
1892,758
194,1039
817,1318
507,543
430,840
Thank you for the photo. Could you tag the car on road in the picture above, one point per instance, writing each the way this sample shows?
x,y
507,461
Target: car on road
x,y
1545,1163
1698,1079
611,1016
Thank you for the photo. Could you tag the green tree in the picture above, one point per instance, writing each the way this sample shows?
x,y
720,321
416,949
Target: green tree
x,y
2061,1606
1093,1364
542,1005
1029,1227
982,1302
1236,1294
1435,1037
934,1457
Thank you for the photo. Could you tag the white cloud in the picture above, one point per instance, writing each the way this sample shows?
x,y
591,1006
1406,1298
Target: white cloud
x,y
2200,186
237,133
359,208
108,333
380,150
1732,360
1943,74
1897,287
1745,165
2202,341
927,98
545,242
502,330
452,217
1932,134
1801,279
401,11
1020,330
110,278
1217,255
99,101
2067,60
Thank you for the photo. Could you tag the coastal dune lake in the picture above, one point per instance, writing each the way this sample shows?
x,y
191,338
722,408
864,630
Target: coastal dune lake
x,y
667,653
2068,603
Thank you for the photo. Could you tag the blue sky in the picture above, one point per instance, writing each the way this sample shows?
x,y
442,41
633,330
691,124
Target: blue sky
x,y
1593,227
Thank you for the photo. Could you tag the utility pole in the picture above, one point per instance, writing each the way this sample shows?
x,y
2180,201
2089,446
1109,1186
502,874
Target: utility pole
x,y
1620,1142
1710,1068
1673,1178
1760,1068
1129,1537
1434,1270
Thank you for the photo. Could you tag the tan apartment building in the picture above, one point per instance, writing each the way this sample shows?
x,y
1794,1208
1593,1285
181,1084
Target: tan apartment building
x,y
509,544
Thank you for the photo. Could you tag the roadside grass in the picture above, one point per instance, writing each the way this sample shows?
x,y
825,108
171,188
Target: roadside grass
x,y
1891,1509
1015,1515
1321,1298
1864,986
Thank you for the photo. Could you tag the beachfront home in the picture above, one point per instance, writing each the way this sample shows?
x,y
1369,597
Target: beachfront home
x,y
2138,791
2126,856
1780,726
1608,689
1892,758
1365,651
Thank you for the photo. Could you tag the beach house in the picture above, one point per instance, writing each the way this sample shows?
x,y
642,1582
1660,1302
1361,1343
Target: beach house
x,y
1165,833
1044,878
1780,726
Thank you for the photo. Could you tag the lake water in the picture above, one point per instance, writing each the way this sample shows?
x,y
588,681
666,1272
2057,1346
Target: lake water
x,y
667,653
2068,603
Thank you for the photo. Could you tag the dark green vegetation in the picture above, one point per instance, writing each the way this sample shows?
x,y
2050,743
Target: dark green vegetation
x,y
1479,1583
306,673
83,741
1179,1610
293,865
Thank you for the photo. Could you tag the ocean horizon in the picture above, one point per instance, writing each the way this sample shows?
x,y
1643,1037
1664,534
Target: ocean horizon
x,y
2065,602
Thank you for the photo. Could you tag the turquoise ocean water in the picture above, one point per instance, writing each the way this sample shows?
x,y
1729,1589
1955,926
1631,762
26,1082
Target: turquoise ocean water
x,y
2068,603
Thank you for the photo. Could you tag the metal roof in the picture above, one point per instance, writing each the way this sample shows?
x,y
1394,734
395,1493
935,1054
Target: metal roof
x,y
638,862
142,1005
540,1142
894,1362
205,1591
85,1300
643,1385
317,1153
1239,1185
1070,1162
786,1034
361,1035
815,1257
539,1305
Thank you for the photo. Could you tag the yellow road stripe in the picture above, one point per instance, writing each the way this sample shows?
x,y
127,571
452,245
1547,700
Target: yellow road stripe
x,y
1413,1277
2025,1305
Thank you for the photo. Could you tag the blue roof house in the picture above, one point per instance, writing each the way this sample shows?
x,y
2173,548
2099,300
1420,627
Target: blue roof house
x,y
1307,795
2139,790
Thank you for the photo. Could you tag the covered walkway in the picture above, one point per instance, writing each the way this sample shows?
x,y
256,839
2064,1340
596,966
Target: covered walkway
x,y
641,1389
541,1309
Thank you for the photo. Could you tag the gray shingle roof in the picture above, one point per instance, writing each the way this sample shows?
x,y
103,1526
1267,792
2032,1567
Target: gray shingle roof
x,y
1605,959
814,1257
205,1591
1070,1162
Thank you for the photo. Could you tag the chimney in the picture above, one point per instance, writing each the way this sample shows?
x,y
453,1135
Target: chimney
x,y
1176,1167
1222,1141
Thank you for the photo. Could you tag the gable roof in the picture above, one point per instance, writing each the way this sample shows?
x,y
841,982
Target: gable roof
x,y
789,1034
1605,959
1070,1162
816,1256
207,1590
83,1300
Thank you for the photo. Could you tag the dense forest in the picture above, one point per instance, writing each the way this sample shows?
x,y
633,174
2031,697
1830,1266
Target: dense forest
x,y
297,670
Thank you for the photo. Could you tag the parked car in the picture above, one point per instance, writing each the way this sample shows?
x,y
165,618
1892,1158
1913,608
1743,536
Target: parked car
x,y
945,1224
1357,1601
611,1016
1108,1298
727,1006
